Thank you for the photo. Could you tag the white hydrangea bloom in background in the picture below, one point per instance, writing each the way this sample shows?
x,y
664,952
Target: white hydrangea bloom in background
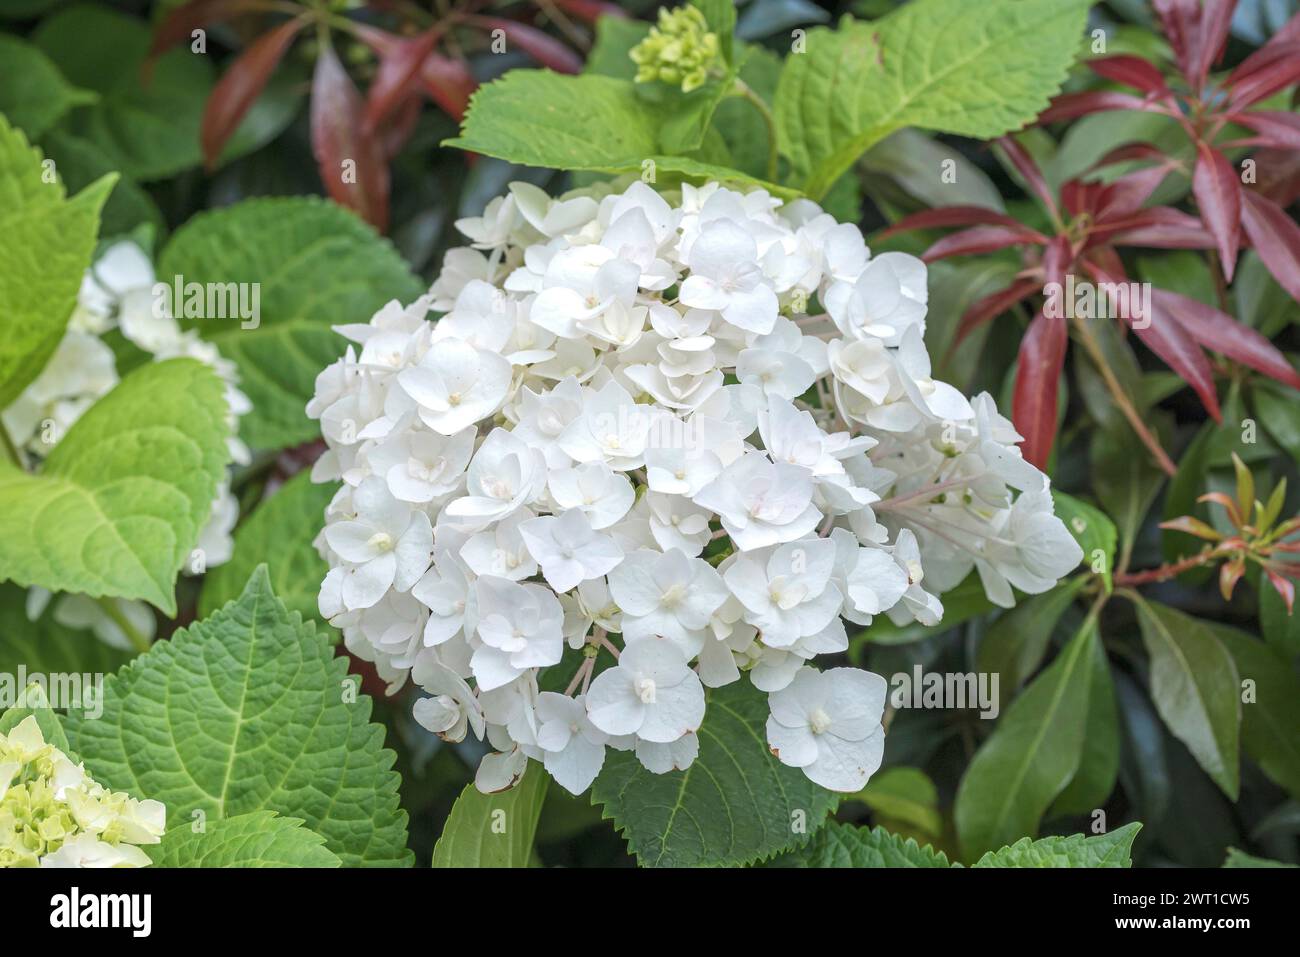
x,y
117,292
53,814
660,442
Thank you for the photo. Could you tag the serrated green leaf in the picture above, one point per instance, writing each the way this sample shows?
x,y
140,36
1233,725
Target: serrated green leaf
x,y
1196,689
1093,530
842,845
493,830
317,265
33,93
1014,645
150,131
278,533
120,501
250,710
1113,849
588,122
977,70
1270,720
736,804
46,242
256,839
1032,755
1238,858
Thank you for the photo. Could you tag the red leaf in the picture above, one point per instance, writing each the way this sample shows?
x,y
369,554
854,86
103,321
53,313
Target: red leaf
x,y
240,87
1218,196
1180,20
1067,106
1219,331
1166,338
397,130
1079,197
448,83
178,26
1131,71
977,240
1028,169
542,47
956,216
1127,194
591,10
1038,374
1276,238
1216,18
993,305
1263,73
1229,574
1275,128
352,165
1058,257
1160,226
399,69
1283,586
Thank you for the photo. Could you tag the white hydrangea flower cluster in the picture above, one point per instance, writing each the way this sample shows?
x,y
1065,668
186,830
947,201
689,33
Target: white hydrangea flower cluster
x,y
53,814
631,421
117,293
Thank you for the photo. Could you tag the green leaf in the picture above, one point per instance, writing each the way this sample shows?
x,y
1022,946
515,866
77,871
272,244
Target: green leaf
x,y
1270,721
150,131
33,93
46,647
121,500
46,242
720,15
278,533
588,122
1124,480
615,38
1031,756
256,839
493,830
1095,533
1238,858
977,70
736,804
1195,687
1275,407
245,711
842,845
80,162
1113,849
37,705
1014,645
903,796
317,265
1099,762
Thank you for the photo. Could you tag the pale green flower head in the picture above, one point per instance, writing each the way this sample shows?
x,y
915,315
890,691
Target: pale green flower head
x,y
679,51
53,814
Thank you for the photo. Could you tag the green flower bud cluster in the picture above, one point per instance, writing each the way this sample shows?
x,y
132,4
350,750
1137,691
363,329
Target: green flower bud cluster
x,y
52,814
679,51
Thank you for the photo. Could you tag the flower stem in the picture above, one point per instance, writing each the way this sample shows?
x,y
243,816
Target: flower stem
x,y
1166,571
743,89
11,450
138,641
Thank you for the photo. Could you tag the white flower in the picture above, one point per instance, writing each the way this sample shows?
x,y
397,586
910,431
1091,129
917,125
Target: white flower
x,y
504,476
521,627
828,724
667,594
762,503
386,546
725,276
568,550
611,428
651,693
595,489
445,591
422,466
790,596
453,708
456,385
574,747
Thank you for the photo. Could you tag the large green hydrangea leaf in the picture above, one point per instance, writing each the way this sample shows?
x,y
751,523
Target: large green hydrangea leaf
x,y
250,710
33,93
256,839
120,501
46,241
317,265
975,69
842,845
1113,849
736,804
